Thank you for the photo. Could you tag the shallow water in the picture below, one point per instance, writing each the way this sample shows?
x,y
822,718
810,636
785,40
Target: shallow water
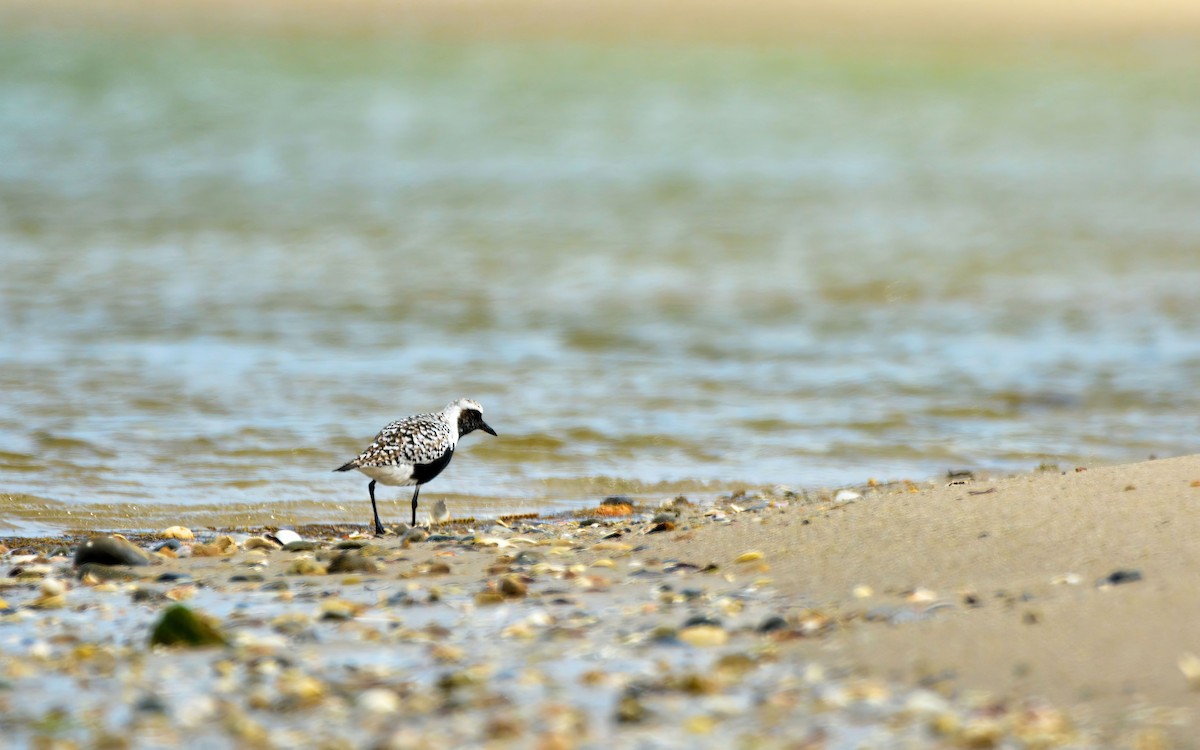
x,y
226,261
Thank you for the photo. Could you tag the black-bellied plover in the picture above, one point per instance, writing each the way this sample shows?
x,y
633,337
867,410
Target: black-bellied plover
x,y
415,449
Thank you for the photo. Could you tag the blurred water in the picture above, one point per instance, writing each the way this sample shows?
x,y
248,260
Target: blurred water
x,y
226,261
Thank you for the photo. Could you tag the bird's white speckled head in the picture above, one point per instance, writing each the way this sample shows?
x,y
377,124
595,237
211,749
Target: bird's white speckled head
x,y
467,415
461,405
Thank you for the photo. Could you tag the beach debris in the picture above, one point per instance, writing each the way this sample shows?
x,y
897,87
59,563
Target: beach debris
x,y
180,626
110,550
846,496
177,532
1067,579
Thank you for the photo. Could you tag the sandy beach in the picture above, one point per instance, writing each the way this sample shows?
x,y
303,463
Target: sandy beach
x,y
1044,610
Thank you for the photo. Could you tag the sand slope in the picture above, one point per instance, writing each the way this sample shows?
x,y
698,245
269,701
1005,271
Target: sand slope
x,y
1111,649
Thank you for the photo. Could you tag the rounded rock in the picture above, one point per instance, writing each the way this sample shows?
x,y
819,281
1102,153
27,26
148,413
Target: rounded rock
x,y
110,550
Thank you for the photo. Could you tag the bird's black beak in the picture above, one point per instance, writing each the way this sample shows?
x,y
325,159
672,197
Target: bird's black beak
x,y
486,428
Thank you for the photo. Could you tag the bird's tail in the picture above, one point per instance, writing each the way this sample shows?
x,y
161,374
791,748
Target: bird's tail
x,y
347,466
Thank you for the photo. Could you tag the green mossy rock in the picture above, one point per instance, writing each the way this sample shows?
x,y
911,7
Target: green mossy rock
x,y
180,626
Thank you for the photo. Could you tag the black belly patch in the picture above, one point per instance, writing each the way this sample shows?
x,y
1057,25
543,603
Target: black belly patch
x,y
422,473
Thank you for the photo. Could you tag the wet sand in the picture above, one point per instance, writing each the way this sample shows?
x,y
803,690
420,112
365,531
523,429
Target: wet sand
x,y
1053,609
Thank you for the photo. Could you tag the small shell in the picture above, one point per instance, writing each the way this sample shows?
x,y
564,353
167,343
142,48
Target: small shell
x,y
284,536
748,556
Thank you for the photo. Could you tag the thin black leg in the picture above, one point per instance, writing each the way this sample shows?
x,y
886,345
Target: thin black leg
x,y
378,525
416,492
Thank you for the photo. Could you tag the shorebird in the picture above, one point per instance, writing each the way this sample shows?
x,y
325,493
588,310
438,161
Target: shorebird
x,y
414,450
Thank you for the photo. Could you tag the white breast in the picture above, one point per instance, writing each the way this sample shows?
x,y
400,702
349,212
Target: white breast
x,y
400,474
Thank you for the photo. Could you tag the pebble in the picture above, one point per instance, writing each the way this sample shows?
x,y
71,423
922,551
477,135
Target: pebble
x,y
222,546
379,701
512,587
352,562
180,626
177,532
110,550
748,556
704,636
91,573
773,624
306,566
339,609
414,536
1118,577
